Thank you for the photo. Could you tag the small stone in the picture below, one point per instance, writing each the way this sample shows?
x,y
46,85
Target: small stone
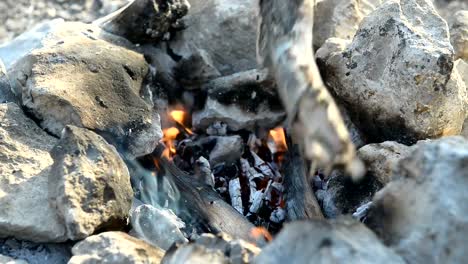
x,y
114,247
459,34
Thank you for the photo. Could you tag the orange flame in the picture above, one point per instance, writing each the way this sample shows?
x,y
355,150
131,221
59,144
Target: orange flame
x,y
170,134
179,116
278,136
260,232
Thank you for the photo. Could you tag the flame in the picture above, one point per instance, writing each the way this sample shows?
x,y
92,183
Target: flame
x,y
179,116
170,134
260,232
279,138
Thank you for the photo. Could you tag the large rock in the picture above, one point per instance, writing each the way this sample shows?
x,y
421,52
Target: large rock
x,y
8,260
397,77
114,247
423,215
225,29
24,168
89,184
459,34
382,158
75,78
35,253
339,18
319,241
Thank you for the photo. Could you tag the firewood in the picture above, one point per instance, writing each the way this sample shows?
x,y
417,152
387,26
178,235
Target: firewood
x,y
203,203
253,77
300,199
285,48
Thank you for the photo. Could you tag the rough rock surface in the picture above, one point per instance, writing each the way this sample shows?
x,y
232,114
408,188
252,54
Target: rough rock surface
x,y
8,260
341,241
459,34
24,168
396,77
339,18
158,227
381,159
421,214
341,195
89,184
6,94
114,247
209,248
22,14
76,79
33,253
225,29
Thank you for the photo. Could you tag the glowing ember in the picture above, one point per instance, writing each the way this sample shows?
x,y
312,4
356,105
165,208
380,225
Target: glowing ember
x,y
260,232
179,116
170,134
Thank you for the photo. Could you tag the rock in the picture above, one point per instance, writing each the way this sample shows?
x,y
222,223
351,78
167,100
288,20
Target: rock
x,y
5,89
34,253
145,21
195,70
339,18
76,79
225,29
459,34
342,195
158,227
209,248
462,67
228,149
447,8
421,215
465,129
89,184
114,247
8,260
341,241
24,168
246,100
381,159
397,78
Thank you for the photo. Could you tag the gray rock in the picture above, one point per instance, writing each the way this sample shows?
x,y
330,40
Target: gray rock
x,y
225,29
76,79
24,168
459,34
227,149
158,227
8,260
89,184
397,77
339,18
422,215
342,195
114,247
319,241
209,248
34,253
6,95
381,159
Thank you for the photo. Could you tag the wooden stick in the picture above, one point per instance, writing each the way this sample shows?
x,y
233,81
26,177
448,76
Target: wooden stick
x,y
204,203
284,46
300,199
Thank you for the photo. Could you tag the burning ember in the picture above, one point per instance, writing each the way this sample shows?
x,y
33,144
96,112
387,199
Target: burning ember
x,y
249,176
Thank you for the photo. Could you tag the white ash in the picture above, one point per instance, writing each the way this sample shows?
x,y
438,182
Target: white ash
x,y
278,215
203,171
218,128
361,211
235,194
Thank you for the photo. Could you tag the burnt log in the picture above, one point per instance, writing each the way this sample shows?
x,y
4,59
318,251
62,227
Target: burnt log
x,y
204,203
145,21
300,199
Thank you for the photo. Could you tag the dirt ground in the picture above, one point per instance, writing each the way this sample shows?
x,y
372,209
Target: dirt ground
x,y
17,16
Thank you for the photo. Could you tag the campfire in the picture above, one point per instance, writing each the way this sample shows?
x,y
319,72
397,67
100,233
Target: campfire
x,y
220,131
